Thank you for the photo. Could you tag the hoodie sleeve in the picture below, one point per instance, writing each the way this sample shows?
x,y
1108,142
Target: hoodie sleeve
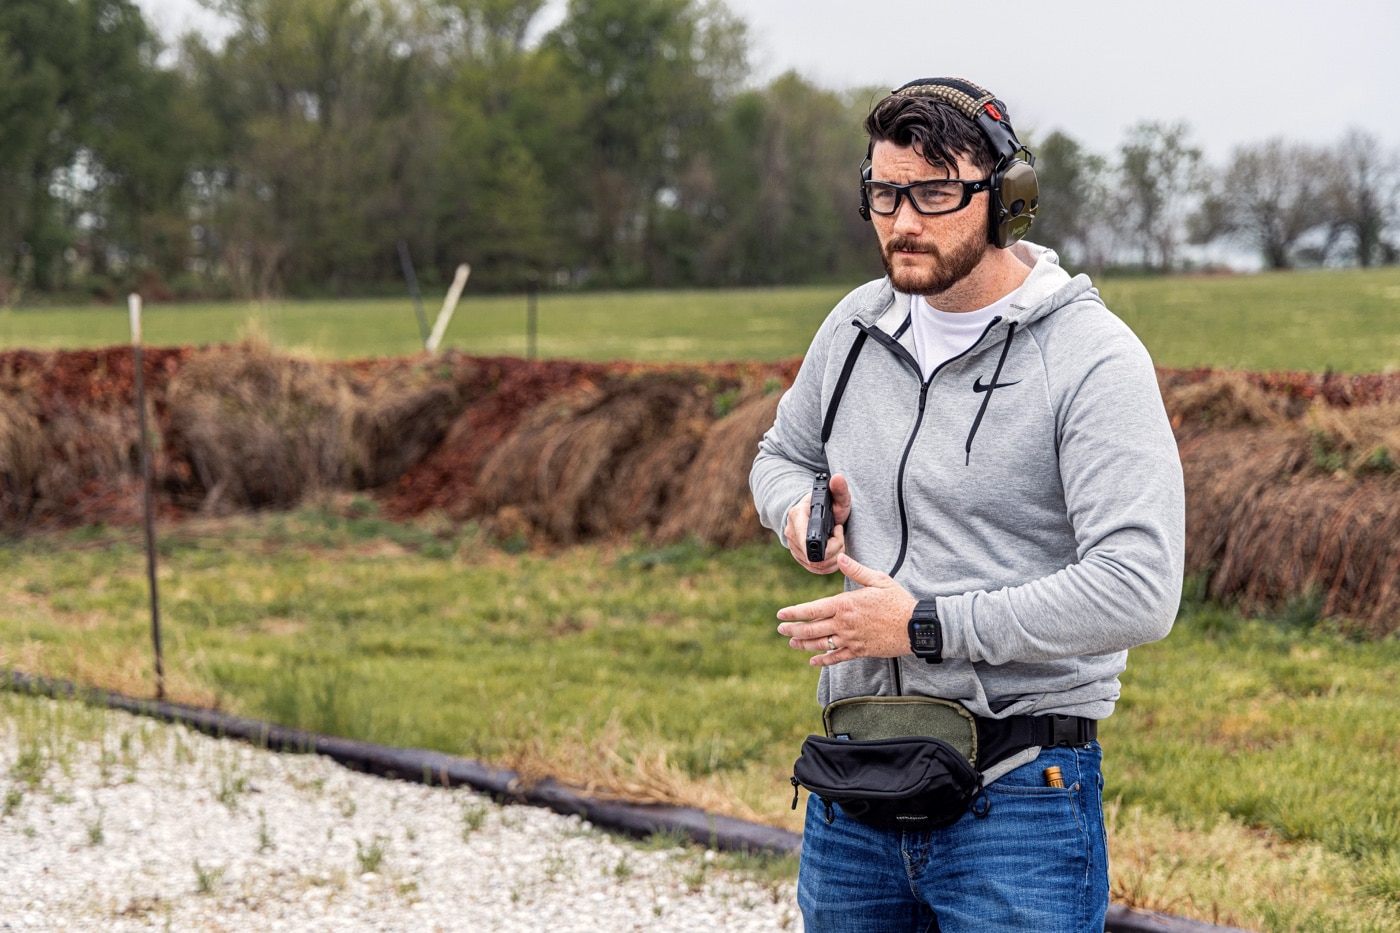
x,y
1123,490
791,453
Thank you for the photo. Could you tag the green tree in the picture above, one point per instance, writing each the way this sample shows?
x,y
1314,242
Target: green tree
x,y
323,139
1363,198
650,78
1268,198
89,164
1073,201
1160,177
504,111
780,197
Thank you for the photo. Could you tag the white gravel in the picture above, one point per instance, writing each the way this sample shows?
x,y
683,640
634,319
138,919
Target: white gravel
x,y
114,822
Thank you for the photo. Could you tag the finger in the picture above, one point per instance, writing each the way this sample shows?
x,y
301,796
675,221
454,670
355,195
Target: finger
x,y
828,658
795,531
812,643
793,617
808,636
859,573
840,498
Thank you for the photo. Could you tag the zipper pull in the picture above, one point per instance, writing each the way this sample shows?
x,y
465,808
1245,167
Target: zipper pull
x,y
794,791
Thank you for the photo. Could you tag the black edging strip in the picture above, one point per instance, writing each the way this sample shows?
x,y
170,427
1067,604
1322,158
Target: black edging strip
x,y
428,767
439,769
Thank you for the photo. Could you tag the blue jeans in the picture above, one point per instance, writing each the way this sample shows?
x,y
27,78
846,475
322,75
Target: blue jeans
x,y
1025,857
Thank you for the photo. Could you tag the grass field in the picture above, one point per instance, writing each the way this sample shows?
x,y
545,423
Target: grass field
x,y
1249,765
1347,321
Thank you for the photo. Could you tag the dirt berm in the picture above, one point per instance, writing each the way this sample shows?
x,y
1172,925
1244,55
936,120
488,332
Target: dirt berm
x,y
1293,497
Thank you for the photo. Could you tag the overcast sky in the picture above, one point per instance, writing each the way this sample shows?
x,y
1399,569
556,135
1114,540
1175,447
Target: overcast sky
x,y
1237,71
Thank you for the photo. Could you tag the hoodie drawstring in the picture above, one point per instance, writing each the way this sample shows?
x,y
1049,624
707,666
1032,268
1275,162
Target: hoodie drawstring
x,y
977,422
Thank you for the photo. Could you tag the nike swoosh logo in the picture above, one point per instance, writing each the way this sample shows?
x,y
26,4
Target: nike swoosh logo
x,y
977,385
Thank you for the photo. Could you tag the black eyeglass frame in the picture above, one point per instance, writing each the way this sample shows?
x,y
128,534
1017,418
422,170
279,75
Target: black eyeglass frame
x,y
969,188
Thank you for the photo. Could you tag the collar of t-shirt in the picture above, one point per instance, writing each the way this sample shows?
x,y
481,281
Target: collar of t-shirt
x,y
941,335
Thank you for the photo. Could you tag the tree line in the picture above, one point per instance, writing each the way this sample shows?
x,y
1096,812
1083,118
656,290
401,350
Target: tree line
x,y
628,145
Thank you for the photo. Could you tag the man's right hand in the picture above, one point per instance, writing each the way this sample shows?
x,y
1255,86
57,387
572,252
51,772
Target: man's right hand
x,y
795,531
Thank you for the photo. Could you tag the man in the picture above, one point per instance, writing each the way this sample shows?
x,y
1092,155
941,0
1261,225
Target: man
x,y
1008,504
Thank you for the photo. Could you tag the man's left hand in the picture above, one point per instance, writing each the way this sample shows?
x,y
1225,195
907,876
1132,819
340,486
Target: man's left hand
x,y
870,622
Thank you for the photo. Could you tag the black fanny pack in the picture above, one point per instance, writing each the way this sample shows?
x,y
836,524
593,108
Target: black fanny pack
x,y
904,783
912,763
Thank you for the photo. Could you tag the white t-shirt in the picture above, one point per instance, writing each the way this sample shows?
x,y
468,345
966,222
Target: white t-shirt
x,y
941,335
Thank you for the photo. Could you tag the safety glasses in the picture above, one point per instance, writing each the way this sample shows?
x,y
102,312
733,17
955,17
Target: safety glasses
x,y
928,197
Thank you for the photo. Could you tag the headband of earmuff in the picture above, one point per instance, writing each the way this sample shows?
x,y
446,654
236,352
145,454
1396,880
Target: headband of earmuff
x,y
1015,192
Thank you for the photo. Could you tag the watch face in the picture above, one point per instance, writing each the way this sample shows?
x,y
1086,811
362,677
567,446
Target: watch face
x,y
924,636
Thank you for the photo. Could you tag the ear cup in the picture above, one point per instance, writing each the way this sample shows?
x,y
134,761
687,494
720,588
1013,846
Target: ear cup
x,y
864,208
1015,197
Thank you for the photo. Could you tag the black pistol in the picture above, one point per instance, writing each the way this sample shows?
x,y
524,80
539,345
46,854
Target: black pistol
x,y
820,521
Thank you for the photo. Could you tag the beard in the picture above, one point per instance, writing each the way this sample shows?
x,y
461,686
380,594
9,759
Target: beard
x,y
940,274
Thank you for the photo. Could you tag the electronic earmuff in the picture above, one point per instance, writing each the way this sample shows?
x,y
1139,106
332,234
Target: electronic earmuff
x,y
865,177
1015,192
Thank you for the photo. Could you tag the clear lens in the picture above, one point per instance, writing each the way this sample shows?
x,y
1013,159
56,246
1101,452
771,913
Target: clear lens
x,y
883,198
937,196
929,197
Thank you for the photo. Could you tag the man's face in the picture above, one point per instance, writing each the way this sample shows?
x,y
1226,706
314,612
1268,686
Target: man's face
x,y
927,254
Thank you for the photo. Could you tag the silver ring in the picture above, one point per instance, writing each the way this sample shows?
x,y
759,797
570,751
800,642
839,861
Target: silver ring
x,y
830,644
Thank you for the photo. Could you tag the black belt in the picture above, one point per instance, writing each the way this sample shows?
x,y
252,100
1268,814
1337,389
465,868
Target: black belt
x,y
998,738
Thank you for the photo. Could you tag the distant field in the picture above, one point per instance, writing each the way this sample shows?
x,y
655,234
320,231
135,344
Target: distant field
x,y
1347,321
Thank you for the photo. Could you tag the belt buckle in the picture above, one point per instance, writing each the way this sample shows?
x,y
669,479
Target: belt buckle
x,y
1065,730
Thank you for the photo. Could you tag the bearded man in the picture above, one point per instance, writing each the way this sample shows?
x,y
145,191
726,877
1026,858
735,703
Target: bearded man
x,y
1009,521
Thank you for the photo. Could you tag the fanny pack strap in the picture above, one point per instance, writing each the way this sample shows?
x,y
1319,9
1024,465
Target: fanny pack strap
x,y
993,746
998,738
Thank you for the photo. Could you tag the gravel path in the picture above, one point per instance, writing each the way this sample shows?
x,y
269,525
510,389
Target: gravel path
x,y
114,822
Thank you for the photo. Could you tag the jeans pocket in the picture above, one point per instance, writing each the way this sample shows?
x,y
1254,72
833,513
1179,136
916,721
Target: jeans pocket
x,y
1039,804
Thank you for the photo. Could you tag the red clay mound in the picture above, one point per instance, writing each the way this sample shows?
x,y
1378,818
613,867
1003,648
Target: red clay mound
x,y
1291,478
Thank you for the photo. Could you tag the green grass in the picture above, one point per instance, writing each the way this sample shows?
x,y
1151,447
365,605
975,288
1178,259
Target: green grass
x,y
1347,321
324,622
1251,763
759,324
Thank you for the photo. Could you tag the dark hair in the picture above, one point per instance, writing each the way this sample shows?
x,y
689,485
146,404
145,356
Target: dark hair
x,y
938,131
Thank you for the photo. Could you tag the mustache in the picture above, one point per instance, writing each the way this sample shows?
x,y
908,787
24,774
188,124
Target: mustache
x,y
910,245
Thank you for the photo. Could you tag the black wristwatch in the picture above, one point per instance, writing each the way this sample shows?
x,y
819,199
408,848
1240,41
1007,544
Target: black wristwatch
x,y
926,632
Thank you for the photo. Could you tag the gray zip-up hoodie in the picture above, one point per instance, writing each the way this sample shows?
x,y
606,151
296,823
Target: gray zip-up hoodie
x,y
1031,486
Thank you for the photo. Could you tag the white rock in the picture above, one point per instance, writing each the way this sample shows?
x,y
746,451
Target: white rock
x,y
181,825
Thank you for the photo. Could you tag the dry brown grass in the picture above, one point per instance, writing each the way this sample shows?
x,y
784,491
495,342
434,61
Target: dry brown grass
x,y
1358,440
21,461
1337,539
1222,400
1226,472
101,664
590,464
397,419
52,461
715,505
1235,876
1291,486
261,429
604,766
1287,506
650,482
